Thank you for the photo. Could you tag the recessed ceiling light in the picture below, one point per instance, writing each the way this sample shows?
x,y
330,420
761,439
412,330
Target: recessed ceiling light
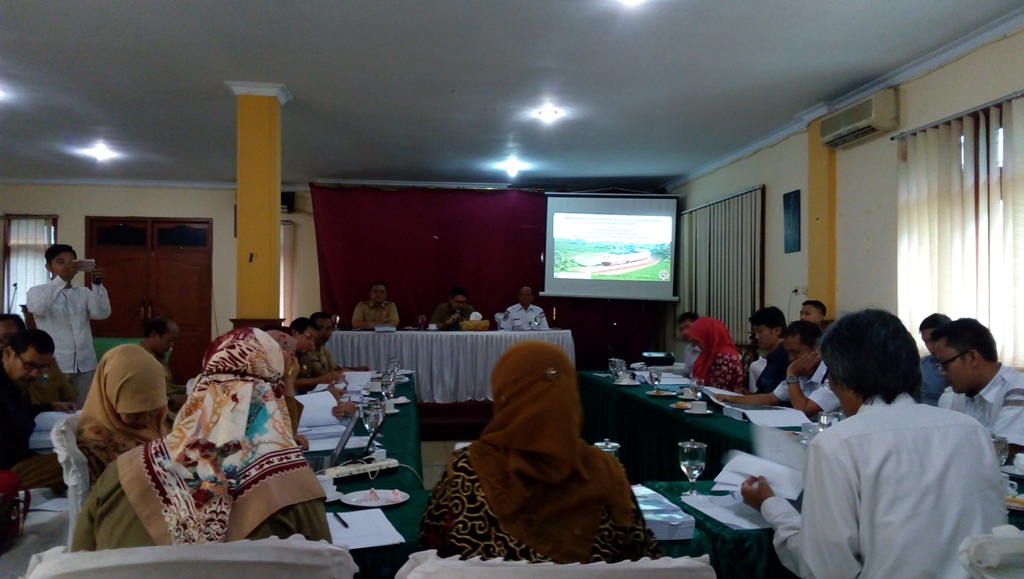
x,y
631,2
548,113
512,166
100,152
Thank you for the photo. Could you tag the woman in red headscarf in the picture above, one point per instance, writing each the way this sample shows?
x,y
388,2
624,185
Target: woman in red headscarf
x,y
719,363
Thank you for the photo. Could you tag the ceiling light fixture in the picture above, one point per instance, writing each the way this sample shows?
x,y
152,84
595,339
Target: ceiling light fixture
x,y
548,113
100,152
512,166
631,2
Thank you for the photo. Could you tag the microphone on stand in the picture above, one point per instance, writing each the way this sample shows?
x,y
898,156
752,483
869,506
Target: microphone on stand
x,y
14,295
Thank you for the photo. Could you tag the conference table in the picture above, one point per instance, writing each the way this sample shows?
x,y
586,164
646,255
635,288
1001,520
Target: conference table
x,y
649,429
450,366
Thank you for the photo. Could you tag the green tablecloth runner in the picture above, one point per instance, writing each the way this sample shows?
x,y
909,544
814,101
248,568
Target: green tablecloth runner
x,y
400,436
649,429
734,554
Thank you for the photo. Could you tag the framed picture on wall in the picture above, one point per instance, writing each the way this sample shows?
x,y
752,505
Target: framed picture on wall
x,y
791,221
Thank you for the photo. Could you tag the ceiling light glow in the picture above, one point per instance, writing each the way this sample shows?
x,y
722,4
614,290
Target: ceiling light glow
x,y
100,152
631,2
512,166
548,113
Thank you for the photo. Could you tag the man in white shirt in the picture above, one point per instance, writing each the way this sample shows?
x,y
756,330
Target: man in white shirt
x,y
63,310
690,350
522,315
989,391
892,490
806,386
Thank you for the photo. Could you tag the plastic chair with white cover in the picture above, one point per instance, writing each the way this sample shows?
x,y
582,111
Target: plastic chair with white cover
x,y
74,464
998,555
426,564
271,557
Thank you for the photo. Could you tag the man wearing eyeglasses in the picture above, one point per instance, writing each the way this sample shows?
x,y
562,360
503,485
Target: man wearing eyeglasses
x,y
991,392
448,315
27,356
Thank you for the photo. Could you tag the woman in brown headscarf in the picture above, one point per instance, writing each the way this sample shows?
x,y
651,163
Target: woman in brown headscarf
x,y
531,489
126,407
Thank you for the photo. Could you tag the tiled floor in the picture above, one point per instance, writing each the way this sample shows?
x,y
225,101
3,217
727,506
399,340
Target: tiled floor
x,y
435,458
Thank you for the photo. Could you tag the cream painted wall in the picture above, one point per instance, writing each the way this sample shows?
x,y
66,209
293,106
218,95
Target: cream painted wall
x,y
781,168
307,267
73,203
866,179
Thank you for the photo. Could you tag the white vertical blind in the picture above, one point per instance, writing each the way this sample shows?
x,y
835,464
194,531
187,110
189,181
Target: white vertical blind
x,y
961,224
27,240
722,251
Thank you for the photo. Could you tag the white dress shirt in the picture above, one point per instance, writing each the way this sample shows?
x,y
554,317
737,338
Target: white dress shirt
x,y
64,313
519,318
890,492
813,388
999,406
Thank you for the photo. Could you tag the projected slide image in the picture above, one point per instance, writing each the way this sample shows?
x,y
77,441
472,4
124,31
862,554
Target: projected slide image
x,y
613,247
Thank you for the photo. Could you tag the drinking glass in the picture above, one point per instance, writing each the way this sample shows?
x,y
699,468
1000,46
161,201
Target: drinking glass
x,y
336,321
655,376
613,366
393,365
692,457
372,414
422,320
1002,446
387,385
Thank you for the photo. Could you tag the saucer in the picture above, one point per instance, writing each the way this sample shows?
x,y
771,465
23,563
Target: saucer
x,y
394,411
627,383
685,397
695,413
680,406
365,499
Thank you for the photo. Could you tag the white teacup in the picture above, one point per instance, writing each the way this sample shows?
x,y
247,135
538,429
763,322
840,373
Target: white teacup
x,y
698,406
1009,486
327,483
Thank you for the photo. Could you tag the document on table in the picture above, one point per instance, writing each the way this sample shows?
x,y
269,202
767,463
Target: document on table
x,y
776,416
728,510
366,528
323,432
316,409
787,482
356,380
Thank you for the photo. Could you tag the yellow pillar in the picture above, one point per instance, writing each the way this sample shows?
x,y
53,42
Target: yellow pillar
x,y
821,220
258,200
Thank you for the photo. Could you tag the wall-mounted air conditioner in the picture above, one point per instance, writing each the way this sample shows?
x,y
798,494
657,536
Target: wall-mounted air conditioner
x,y
856,123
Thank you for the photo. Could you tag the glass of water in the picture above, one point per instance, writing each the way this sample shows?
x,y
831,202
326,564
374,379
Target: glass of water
x,y
655,376
372,414
692,458
1002,446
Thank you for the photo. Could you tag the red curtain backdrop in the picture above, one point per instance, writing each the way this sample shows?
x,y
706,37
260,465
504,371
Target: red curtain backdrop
x,y
421,242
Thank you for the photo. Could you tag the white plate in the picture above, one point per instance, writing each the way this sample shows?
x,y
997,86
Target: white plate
x,y
629,383
660,393
385,498
705,413
401,402
394,411
336,495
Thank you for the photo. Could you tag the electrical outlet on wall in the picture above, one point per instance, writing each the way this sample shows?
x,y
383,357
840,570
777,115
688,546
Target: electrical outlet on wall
x,y
800,290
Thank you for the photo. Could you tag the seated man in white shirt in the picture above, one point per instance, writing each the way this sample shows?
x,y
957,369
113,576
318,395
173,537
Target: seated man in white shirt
x,y
991,392
524,313
893,489
805,387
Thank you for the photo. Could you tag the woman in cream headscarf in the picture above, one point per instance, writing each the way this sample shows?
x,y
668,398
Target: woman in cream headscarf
x,y
126,406
531,489
228,470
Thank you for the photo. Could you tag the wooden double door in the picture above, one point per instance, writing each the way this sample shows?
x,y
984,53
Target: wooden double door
x,y
157,267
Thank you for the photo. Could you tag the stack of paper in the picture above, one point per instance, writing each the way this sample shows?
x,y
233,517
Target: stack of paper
x,y
361,529
787,482
728,510
667,521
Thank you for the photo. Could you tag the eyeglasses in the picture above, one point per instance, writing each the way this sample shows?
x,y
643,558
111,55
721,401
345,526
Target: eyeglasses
x,y
942,364
33,366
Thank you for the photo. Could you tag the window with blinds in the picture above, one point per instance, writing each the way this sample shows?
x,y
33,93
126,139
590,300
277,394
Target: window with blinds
x,y
722,260
25,243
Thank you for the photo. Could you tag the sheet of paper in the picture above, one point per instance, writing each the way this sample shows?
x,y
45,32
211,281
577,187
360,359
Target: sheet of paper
x,y
673,379
713,390
781,446
787,482
56,505
777,417
321,432
322,444
366,528
320,387
358,379
727,510
316,409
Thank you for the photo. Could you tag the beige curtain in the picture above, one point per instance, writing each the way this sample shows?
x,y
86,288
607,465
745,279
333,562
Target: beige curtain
x,y
722,252
27,237
961,223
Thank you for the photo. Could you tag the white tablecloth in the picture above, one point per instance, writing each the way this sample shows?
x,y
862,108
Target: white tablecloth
x,y
450,366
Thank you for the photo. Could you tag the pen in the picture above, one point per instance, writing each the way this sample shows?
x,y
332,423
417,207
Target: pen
x,y
341,520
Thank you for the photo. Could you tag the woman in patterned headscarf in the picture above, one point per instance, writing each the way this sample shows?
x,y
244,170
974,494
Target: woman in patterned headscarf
x,y
228,470
530,488
126,406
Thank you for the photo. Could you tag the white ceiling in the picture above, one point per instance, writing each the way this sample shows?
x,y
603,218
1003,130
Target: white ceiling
x,y
440,90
